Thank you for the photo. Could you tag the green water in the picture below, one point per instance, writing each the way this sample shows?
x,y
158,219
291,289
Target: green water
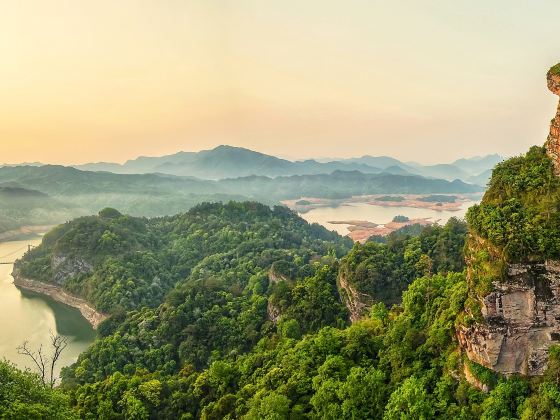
x,y
28,316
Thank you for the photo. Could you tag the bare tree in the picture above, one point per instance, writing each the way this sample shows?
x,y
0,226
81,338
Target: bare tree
x,y
38,358
58,344
45,364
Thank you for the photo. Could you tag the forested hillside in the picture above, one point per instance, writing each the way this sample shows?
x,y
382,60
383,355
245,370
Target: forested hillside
x,y
21,206
236,311
119,262
149,195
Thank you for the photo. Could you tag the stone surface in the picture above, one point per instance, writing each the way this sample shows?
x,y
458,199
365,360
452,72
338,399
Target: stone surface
x,y
553,141
358,304
65,267
55,292
521,320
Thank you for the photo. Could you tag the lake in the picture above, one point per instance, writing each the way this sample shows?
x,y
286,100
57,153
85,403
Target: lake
x,y
29,316
376,214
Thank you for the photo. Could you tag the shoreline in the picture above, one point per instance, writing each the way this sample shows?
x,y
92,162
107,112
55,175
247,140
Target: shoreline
x,y
56,293
24,232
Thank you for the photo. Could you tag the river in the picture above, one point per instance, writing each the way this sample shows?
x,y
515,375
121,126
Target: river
x,y
29,316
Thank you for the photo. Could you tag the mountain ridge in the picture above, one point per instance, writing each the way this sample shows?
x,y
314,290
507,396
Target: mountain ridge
x,y
226,161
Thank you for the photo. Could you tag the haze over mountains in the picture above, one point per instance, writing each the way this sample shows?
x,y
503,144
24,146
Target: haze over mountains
x,y
157,186
232,162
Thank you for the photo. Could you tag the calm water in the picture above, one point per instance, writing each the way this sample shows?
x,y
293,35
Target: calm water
x,y
376,214
29,316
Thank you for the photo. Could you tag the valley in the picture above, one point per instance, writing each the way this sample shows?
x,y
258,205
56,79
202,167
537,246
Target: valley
x,y
291,210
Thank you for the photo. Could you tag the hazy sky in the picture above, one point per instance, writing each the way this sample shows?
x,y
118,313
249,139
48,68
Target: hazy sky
x,y
420,80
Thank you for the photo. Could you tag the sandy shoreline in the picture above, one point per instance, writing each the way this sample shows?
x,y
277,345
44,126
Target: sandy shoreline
x,y
55,292
24,231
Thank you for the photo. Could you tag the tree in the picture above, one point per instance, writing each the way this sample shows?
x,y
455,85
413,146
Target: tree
x,y
45,364
410,401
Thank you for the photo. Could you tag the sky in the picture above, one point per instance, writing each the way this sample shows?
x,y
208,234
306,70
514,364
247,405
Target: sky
x,y
430,81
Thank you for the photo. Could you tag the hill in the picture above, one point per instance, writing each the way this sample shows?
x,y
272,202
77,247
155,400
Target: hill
x,y
226,162
233,162
199,301
20,207
84,192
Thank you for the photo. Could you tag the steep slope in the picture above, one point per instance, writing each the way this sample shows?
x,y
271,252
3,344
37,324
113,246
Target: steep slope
x,y
513,257
379,272
118,262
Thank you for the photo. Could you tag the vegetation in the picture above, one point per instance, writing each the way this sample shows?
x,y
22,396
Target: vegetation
x,y
381,271
251,325
400,219
438,198
119,262
20,207
24,396
391,364
395,198
73,192
519,211
554,70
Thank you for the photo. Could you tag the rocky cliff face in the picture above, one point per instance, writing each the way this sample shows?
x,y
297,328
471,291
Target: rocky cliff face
x,y
358,304
553,141
521,320
65,267
519,317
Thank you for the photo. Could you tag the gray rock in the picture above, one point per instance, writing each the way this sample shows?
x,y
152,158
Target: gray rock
x,y
521,321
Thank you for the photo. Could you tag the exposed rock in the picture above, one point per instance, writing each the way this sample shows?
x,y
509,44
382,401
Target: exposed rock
x,y
273,312
521,320
553,141
274,277
65,267
55,292
358,304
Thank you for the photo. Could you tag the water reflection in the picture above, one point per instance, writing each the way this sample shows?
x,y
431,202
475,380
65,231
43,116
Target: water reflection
x,y
28,316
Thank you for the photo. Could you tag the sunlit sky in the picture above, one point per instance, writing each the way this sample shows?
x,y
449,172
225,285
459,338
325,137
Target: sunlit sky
x,y
430,81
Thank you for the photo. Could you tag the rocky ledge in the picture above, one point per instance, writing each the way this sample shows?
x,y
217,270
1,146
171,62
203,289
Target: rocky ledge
x,y
553,141
358,304
55,292
521,320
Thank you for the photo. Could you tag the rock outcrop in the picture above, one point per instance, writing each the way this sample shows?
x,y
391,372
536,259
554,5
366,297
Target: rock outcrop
x,y
358,304
521,320
55,292
515,317
65,267
553,141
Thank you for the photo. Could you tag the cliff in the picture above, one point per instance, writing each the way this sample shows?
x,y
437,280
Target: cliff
x,y
55,292
553,140
512,315
521,319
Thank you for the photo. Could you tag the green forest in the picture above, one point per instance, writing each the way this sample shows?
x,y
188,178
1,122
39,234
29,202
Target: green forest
x,y
67,193
241,311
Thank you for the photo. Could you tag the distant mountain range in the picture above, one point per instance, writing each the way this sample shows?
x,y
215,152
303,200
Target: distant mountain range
x,y
41,189
233,162
157,186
